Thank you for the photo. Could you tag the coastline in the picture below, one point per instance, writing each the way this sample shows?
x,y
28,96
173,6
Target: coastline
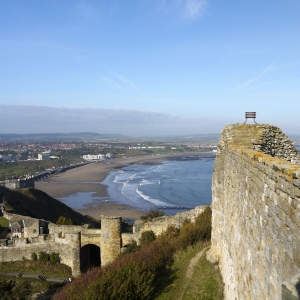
x,y
87,177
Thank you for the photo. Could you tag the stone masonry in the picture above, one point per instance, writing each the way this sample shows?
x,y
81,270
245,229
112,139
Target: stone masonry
x,y
69,240
256,212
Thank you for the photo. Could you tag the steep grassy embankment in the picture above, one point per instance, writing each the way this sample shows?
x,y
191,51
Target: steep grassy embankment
x,y
37,204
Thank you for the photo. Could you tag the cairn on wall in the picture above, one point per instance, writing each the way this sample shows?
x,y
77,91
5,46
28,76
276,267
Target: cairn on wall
x,y
256,212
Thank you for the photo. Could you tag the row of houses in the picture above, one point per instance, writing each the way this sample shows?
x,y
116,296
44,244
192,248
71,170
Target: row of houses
x,y
96,157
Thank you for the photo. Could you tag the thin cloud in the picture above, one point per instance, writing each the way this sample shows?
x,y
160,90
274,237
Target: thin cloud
x,y
119,81
127,81
111,82
256,86
195,8
189,9
254,79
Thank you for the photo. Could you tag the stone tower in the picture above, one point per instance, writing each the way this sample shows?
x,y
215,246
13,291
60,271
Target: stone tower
x,y
110,243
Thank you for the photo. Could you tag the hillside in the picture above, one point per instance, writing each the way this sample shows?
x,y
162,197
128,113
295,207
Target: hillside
x,y
37,204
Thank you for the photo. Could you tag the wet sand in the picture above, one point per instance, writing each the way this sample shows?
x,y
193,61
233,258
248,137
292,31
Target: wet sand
x,y
86,179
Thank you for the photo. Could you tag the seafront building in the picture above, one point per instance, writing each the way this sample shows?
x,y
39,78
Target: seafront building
x,y
94,157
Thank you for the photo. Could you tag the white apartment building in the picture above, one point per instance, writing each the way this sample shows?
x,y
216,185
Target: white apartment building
x,y
94,157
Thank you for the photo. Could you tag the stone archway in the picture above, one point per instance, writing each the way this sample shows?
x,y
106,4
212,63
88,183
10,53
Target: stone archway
x,y
89,257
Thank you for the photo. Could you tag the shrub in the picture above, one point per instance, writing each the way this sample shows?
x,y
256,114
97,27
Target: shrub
x,y
33,256
152,214
44,257
147,237
6,285
130,248
54,258
64,221
10,289
191,233
170,233
22,290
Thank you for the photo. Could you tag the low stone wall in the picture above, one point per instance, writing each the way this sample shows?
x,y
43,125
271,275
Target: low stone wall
x,y
160,224
255,212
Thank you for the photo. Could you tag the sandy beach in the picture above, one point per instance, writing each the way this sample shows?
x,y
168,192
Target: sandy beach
x,y
86,178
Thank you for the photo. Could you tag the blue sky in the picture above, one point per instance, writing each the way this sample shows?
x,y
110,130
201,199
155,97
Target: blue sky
x,y
148,67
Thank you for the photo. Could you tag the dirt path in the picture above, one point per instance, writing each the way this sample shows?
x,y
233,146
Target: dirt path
x,y
190,269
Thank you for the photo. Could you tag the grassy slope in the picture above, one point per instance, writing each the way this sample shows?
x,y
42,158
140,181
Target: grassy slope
x,y
37,204
206,283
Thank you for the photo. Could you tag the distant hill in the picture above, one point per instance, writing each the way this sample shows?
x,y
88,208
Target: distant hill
x,y
52,137
37,204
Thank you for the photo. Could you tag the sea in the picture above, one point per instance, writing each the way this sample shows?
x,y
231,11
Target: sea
x,y
171,186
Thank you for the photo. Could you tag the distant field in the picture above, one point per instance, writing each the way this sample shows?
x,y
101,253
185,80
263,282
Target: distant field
x,y
17,169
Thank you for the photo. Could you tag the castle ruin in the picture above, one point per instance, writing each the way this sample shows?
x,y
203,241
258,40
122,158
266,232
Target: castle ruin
x,y
256,213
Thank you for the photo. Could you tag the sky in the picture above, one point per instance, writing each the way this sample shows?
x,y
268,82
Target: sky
x,y
148,67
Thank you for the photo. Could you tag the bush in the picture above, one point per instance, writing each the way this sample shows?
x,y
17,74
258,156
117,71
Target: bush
x,y
54,258
6,285
192,233
152,214
33,256
147,237
10,289
22,290
130,248
64,221
44,257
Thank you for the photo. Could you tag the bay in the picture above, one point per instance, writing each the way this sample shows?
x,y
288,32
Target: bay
x,y
171,186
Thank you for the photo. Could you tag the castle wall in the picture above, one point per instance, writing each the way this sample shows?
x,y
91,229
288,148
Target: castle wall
x,y
68,248
255,212
159,225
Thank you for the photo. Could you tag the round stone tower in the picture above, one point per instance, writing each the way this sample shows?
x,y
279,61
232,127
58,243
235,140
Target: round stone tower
x,y
110,243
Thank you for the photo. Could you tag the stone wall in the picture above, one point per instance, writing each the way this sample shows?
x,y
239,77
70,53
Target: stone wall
x,y
159,225
68,248
69,240
255,211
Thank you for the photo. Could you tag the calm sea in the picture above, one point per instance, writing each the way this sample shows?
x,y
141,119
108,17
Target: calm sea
x,y
171,186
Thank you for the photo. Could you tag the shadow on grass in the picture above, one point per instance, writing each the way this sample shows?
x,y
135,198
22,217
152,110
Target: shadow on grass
x,y
163,282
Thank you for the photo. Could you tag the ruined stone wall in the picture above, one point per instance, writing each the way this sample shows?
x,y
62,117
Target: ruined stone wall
x,y
255,211
159,225
68,248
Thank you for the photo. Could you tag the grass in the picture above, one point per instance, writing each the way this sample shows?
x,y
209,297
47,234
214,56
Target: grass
x,y
38,286
206,283
36,267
